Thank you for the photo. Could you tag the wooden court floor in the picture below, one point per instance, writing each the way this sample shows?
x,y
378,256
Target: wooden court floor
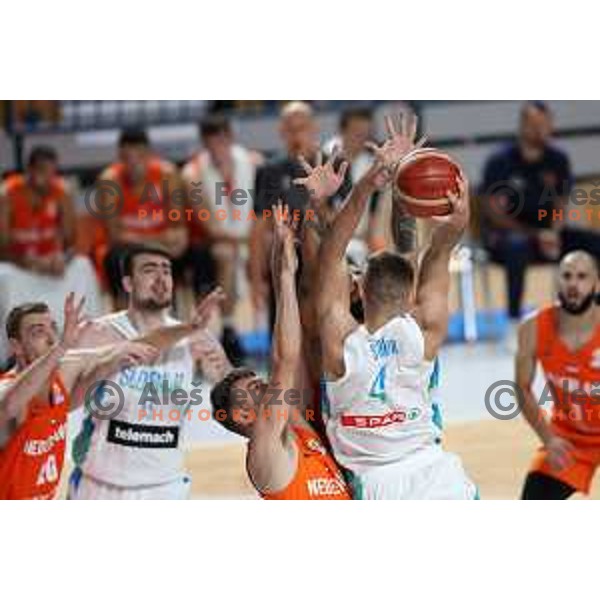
x,y
496,454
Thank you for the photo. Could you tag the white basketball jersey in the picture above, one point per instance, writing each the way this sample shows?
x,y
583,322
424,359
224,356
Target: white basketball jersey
x,y
380,411
142,443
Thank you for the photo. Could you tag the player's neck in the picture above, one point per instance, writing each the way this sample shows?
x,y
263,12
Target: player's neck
x,y
144,320
376,320
583,322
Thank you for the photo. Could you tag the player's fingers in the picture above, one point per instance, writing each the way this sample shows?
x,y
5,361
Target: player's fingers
x,y
343,170
69,302
372,146
389,126
413,123
402,130
422,141
335,153
80,307
305,165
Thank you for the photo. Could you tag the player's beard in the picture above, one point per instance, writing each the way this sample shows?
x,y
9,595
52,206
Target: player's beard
x,y
577,309
151,304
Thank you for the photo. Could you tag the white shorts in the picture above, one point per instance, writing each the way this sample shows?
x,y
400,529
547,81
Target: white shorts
x,y
82,487
431,475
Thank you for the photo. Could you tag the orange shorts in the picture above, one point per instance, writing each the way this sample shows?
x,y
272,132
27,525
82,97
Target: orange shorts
x,y
579,475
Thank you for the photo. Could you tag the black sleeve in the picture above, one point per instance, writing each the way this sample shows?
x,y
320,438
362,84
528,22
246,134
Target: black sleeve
x,y
268,187
565,175
259,187
493,173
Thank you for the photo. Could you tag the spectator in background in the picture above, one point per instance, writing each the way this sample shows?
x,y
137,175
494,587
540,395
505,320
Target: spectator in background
x,y
355,130
37,235
520,180
147,213
220,168
300,134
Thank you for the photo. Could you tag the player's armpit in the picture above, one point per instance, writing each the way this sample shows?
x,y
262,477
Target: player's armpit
x,y
271,459
335,326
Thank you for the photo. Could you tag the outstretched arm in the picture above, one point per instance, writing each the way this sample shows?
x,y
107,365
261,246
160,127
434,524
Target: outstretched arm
x,y
433,285
333,298
271,458
16,396
101,357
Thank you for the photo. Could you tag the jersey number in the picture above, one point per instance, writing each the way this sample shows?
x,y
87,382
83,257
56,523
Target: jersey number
x,y
49,471
378,387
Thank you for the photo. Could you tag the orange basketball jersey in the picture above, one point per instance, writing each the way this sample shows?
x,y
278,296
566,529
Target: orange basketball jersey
x,y
34,231
32,460
574,378
317,475
144,207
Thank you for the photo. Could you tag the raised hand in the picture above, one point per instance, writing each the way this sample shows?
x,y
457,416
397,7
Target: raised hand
x,y
322,181
400,141
206,307
74,322
284,257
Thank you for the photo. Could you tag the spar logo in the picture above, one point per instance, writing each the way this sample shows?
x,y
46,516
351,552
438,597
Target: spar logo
x,y
395,417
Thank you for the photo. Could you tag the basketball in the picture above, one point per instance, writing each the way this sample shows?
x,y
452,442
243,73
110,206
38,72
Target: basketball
x,y
423,180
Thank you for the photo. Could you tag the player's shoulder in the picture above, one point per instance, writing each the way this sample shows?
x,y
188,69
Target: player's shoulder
x,y
538,320
191,169
278,162
166,167
109,173
256,158
505,154
556,155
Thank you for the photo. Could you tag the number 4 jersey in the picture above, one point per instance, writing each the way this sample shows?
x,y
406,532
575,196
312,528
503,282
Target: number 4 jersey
x,y
379,412
31,457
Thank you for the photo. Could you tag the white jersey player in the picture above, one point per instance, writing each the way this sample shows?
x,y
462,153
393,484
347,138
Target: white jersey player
x,y
131,442
378,407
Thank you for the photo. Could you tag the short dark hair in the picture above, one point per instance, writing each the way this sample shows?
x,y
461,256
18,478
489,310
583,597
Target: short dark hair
x,y
357,112
221,398
133,136
135,250
18,313
214,124
388,277
41,154
539,105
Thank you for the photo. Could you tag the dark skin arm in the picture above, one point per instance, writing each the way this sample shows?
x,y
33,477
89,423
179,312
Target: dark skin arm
x,y
333,298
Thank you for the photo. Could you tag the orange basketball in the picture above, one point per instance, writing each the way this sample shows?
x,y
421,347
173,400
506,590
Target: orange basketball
x,y
423,180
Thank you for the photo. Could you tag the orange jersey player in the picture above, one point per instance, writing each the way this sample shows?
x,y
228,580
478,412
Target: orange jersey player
x,y
286,459
37,216
51,377
565,340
